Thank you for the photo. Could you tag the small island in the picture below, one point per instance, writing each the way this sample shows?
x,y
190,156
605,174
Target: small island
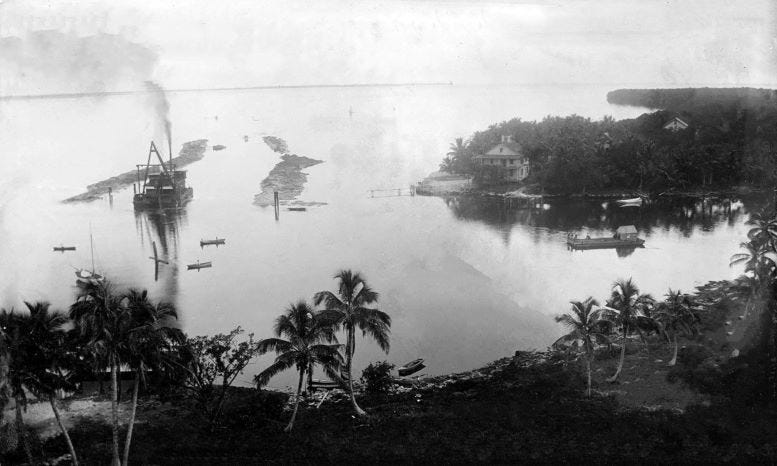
x,y
190,152
287,177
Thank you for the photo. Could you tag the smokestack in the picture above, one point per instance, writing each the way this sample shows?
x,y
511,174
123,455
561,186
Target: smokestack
x,y
170,144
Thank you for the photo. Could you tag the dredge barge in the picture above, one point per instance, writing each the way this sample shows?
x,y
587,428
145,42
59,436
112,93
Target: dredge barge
x,y
162,186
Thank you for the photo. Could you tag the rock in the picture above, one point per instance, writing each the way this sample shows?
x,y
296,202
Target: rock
x,y
659,360
728,322
729,333
735,353
741,317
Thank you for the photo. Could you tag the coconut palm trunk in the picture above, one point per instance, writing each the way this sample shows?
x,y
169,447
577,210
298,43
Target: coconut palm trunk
x,y
114,412
296,401
131,424
21,430
674,356
53,401
622,358
588,368
348,364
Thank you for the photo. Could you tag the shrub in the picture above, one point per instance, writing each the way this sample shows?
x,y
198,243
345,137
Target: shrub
x,y
377,377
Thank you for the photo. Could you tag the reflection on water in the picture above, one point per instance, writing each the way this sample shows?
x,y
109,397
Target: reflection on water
x,y
162,227
465,280
682,214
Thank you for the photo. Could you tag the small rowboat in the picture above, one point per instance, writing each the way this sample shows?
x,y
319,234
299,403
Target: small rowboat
x,y
199,265
209,242
637,201
411,368
64,248
325,384
297,209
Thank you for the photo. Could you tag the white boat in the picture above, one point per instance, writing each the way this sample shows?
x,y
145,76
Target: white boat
x,y
637,201
89,277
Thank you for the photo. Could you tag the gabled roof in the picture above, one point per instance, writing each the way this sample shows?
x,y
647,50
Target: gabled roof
x,y
503,150
677,119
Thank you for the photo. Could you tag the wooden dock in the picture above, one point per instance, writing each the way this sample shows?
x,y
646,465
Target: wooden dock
x,y
393,192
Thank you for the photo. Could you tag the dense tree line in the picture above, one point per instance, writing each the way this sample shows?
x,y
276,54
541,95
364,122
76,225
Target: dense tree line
x,y
728,142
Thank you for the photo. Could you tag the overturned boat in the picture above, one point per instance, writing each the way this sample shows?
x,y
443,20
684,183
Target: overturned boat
x,y
161,186
624,237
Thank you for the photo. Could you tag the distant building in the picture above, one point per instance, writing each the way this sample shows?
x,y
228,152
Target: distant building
x,y
676,124
509,155
604,141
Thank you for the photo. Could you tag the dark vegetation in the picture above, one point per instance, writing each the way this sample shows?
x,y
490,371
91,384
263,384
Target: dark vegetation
x,y
730,141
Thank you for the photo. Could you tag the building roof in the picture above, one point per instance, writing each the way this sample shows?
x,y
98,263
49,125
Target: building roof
x,y
627,229
503,150
679,120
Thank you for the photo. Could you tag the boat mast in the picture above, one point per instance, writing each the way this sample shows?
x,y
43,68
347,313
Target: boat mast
x,y
91,248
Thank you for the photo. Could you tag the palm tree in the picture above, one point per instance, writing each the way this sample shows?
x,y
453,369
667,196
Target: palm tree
x,y
624,308
38,360
677,316
150,335
100,320
307,343
348,309
586,329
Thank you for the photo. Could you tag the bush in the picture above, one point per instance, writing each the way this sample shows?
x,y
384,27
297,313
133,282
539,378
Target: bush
x,y
377,377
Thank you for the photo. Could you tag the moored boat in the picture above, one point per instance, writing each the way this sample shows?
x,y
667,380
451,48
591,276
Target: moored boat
x,y
164,189
199,265
209,242
411,368
624,237
64,248
634,202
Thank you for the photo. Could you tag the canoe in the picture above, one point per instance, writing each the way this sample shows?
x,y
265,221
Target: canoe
x,y
297,209
327,384
64,248
199,265
412,367
637,201
208,242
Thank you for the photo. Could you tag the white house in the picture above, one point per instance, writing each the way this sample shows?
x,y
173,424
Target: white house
x,y
675,124
509,155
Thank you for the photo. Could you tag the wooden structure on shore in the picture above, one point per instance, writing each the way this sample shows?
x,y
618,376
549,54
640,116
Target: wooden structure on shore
x,y
393,192
624,237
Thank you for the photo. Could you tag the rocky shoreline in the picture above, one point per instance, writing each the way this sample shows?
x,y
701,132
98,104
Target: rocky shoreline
x,y
190,152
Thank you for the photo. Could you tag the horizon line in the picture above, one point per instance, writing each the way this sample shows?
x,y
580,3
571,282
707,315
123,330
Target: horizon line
x,y
65,95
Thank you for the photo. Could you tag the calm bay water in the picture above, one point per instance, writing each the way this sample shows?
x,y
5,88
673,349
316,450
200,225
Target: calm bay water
x,y
465,280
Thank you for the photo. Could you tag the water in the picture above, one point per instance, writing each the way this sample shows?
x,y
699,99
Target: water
x,y
465,281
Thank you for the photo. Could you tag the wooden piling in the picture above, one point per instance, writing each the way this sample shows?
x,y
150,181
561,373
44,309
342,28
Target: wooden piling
x,y
277,205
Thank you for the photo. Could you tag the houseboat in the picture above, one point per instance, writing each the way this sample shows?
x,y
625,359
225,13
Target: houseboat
x,y
161,185
624,237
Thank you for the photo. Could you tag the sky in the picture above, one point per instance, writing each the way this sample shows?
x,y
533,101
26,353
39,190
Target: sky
x,y
199,44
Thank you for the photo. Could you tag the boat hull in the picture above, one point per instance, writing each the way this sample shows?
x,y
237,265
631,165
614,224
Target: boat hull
x,y
411,367
145,201
605,243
